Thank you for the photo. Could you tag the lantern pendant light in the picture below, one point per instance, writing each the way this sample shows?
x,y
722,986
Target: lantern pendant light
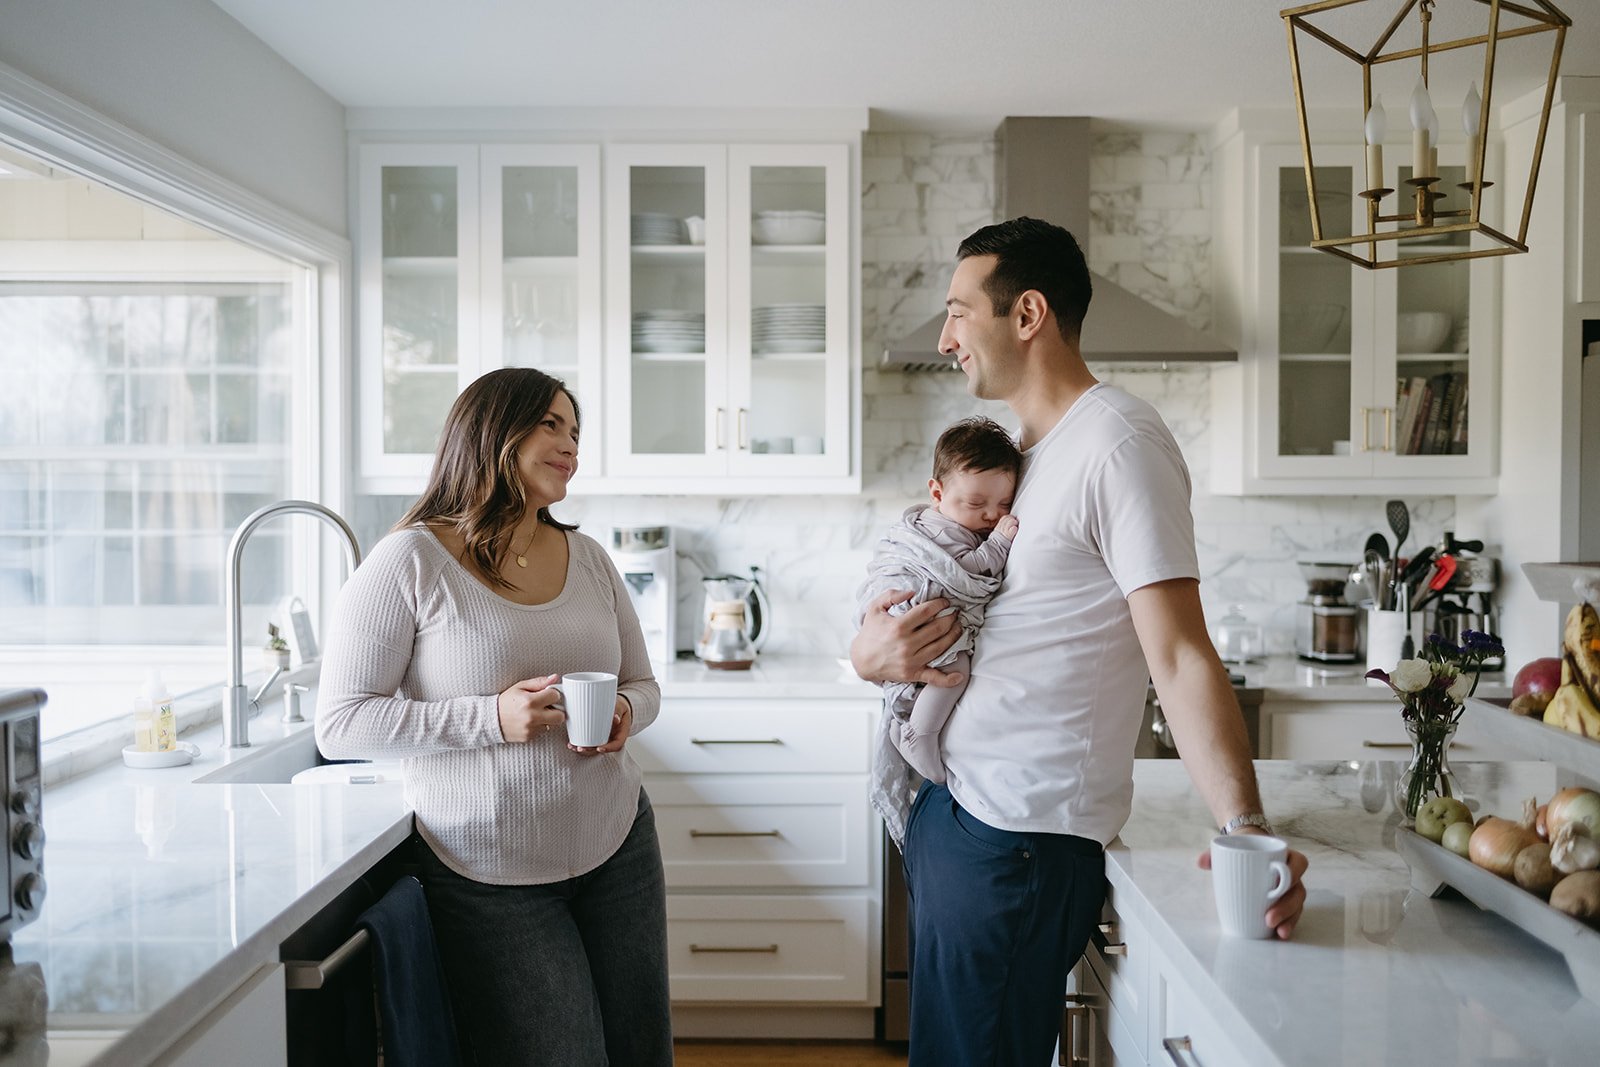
x,y
1416,213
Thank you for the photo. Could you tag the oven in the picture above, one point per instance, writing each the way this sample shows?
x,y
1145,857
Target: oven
x,y
24,801
1154,742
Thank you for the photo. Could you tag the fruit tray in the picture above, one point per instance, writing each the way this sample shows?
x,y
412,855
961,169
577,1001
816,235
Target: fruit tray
x,y
1434,867
1565,583
1523,735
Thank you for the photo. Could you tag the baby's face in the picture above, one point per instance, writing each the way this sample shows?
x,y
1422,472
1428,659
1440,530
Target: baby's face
x,y
975,499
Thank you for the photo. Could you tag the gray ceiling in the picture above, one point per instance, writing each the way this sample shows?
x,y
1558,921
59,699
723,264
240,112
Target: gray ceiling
x,y
1153,62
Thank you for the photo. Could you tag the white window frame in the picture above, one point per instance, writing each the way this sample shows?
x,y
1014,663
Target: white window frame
x,y
37,120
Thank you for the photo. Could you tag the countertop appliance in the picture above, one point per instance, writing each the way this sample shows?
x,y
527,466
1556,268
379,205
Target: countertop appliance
x,y
24,801
1154,742
645,558
1328,628
1467,600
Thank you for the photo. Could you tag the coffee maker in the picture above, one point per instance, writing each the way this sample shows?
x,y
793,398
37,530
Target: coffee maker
x,y
1328,628
1467,600
644,556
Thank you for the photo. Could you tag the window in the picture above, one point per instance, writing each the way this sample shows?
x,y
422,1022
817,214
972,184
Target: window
x,y
147,367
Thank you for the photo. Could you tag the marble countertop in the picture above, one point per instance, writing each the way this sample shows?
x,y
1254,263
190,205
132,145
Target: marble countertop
x,y
164,897
773,675
1376,973
1292,678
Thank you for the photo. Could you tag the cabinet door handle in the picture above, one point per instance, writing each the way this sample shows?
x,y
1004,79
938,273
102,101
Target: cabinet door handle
x,y
1366,424
1106,945
744,435
734,948
722,418
1072,1010
735,741
734,833
1181,1051
306,974
1388,425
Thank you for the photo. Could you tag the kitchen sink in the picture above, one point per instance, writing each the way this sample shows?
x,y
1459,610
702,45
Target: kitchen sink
x,y
279,760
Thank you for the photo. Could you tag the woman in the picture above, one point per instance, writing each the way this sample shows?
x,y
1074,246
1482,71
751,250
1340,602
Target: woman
x,y
540,859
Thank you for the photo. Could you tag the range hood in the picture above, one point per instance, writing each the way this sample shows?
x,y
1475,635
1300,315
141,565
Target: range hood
x,y
1044,173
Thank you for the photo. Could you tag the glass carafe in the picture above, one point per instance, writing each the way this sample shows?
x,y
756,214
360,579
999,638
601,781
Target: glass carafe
x,y
723,643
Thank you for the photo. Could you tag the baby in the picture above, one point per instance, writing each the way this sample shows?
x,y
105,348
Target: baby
x,y
956,548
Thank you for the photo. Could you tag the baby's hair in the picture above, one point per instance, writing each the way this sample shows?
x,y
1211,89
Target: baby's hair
x,y
976,444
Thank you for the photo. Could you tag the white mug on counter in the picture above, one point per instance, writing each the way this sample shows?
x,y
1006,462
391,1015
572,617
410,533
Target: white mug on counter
x,y
590,700
1248,873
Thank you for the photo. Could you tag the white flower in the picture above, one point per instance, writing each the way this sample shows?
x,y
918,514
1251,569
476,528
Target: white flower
x,y
1460,688
1411,675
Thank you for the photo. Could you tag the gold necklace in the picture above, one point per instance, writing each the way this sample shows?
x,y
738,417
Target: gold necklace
x,y
522,559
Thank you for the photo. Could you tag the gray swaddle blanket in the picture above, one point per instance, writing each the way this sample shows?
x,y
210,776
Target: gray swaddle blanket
x,y
909,557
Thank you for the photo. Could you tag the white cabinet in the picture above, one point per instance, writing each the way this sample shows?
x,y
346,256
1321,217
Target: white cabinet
x,y
1353,730
469,258
247,1027
729,346
1349,380
770,850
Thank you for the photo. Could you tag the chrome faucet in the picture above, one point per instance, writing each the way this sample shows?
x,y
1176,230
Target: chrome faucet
x,y
237,701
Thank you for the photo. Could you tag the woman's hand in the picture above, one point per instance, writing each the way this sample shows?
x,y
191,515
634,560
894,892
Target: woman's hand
x,y
528,708
621,723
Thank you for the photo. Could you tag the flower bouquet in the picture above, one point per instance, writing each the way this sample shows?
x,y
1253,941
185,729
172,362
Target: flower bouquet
x,y
1432,690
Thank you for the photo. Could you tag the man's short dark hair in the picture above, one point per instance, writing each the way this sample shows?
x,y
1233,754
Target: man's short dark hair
x,y
1031,254
976,444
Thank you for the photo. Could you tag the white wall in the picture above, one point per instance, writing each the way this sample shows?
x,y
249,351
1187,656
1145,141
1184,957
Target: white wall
x,y
186,75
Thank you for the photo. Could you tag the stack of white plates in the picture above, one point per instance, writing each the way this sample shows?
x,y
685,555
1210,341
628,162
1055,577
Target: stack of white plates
x,y
787,227
788,328
669,331
652,228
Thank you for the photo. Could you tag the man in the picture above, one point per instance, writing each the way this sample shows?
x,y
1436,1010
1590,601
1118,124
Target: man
x,y
1004,862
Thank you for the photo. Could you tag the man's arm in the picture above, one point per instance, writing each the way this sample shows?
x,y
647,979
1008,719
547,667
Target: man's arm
x,y
1204,714
898,648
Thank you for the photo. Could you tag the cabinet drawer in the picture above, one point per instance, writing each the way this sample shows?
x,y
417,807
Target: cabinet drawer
x,y
1099,1034
808,830
768,948
757,737
1119,956
1374,733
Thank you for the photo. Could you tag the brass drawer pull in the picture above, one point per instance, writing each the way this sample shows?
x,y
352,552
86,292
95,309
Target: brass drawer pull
x,y
1107,946
765,949
734,833
735,741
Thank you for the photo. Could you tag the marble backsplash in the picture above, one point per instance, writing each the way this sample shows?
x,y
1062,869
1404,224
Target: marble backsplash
x,y
921,194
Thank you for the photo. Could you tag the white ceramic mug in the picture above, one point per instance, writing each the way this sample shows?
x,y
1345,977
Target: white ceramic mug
x,y
590,700
1248,873
784,445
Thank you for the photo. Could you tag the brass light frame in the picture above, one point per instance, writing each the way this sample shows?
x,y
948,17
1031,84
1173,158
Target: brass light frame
x,y
1544,16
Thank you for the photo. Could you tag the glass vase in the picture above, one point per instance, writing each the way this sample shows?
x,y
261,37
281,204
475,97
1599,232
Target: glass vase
x,y
1428,775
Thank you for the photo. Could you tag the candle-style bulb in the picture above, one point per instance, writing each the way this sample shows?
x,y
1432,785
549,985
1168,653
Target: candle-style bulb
x,y
1377,123
1433,130
1470,107
1421,106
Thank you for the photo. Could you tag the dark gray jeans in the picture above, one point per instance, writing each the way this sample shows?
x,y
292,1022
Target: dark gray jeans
x,y
568,974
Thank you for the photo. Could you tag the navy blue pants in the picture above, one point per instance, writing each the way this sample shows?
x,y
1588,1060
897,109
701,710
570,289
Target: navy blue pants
x,y
998,919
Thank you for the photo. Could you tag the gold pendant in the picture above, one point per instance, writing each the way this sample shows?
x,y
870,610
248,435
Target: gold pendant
x,y
522,561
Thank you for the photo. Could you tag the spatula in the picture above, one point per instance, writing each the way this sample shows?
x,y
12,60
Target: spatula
x,y
1399,522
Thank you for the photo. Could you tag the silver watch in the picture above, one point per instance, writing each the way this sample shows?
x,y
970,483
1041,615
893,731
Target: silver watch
x,y
1249,818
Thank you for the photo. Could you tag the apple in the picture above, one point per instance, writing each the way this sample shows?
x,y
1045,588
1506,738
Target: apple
x,y
1457,838
1538,676
1437,814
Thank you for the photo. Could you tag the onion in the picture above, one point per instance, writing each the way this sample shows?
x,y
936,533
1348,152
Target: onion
x,y
1573,850
1496,842
1573,804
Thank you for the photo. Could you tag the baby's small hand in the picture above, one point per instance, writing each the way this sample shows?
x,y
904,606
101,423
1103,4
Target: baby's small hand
x,y
1006,527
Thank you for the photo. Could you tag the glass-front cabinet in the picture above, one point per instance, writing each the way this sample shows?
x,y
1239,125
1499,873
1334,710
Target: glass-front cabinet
x,y
728,297
1354,378
470,259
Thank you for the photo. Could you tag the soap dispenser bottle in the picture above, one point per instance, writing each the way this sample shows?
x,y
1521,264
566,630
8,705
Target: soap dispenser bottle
x,y
155,703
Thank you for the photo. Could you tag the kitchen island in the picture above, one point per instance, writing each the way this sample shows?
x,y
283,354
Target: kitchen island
x,y
1376,973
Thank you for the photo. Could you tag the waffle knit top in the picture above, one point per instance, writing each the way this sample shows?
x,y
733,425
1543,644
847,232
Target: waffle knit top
x,y
417,656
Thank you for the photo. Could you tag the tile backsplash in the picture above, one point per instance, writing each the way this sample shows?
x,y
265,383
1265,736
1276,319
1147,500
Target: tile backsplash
x,y
921,194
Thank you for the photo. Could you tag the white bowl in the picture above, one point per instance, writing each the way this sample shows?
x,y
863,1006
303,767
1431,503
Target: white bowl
x,y
1422,331
768,229
1310,328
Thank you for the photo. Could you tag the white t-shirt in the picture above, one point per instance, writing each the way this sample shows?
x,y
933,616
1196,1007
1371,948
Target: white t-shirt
x,y
1043,737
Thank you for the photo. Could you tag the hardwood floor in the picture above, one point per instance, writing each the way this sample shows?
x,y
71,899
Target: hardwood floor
x,y
695,1053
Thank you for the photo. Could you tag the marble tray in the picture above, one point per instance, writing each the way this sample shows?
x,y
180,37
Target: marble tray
x,y
1434,867
1530,737
1565,583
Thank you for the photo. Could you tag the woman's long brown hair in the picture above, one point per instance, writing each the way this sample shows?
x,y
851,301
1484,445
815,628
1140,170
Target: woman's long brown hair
x,y
474,488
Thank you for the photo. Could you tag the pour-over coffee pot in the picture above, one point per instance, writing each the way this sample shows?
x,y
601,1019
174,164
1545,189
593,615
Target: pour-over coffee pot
x,y
734,621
